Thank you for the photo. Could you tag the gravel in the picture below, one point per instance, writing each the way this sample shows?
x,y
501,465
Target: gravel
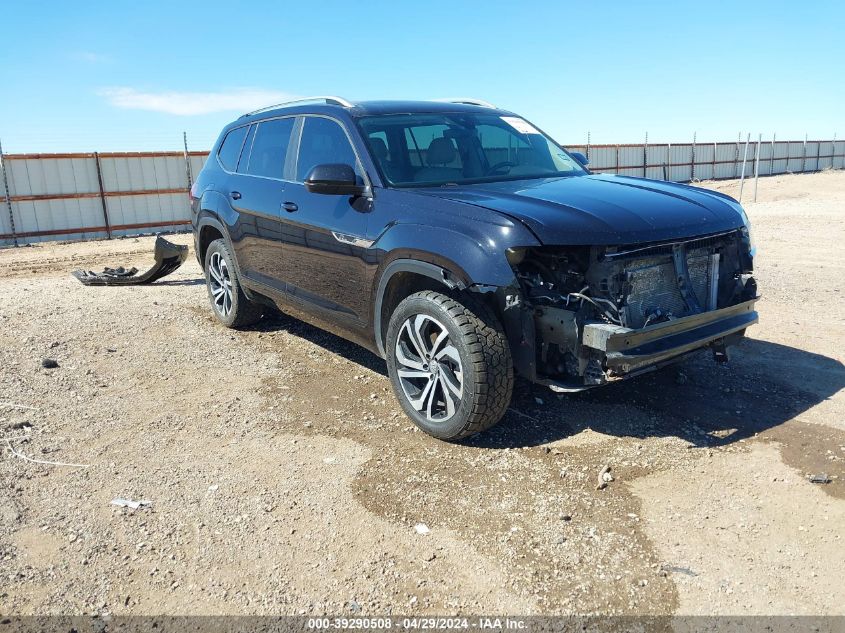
x,y
283,477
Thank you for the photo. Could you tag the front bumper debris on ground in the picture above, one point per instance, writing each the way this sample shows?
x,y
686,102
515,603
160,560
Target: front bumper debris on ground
x,y
168,257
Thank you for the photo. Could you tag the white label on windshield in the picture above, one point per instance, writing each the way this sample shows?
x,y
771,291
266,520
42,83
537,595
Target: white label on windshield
x,y
520,125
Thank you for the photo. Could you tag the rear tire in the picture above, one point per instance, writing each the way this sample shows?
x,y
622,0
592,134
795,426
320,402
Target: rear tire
x,y
228,301
449,363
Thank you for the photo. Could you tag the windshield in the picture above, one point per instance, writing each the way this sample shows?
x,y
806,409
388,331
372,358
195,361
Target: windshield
x,y
430,149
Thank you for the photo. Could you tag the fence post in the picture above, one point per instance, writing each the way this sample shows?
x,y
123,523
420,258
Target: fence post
x,y
667,164
742,175
188,173
8,197
692,173
736,154
757,165
818,155
804,155
833,152
616,169
772,157
645,155
715,147
102,194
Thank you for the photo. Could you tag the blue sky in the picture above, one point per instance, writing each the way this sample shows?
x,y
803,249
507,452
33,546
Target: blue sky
x,y
77,76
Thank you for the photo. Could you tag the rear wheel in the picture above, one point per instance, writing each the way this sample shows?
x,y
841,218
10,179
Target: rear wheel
x,y
228,301
449,364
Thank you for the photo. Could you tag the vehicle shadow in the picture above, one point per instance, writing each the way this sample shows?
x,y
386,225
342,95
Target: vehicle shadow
x,y
277,321
698,400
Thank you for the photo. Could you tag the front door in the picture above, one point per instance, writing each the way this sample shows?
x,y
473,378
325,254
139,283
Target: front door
x,y
256,193
323,234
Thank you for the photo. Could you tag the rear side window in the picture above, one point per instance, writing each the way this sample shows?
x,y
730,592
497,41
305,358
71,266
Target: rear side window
x,y
230,149
323,141
269,148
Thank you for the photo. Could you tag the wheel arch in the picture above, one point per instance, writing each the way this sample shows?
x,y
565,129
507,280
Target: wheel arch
x,y
209,227
404,277
208,230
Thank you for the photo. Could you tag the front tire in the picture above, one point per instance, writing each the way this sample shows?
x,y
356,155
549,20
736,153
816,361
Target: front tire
x,y
228,301
449,364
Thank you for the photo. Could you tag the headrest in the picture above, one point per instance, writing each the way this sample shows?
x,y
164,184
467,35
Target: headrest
x,y
379,148
441,151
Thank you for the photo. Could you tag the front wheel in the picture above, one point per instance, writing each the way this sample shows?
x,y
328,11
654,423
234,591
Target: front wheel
x,y
449,364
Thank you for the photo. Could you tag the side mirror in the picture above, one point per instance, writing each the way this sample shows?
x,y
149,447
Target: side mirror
x,y
580,158
335,179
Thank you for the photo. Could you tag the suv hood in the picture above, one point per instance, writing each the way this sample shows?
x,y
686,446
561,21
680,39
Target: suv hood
x,y
602,210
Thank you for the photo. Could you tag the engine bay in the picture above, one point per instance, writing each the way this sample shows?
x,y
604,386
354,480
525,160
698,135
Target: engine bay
x,y
578,291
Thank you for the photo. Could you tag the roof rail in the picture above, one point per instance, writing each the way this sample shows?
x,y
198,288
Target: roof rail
x,y
468,101
332,100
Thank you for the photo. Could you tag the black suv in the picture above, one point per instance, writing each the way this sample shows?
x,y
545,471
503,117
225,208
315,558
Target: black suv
x,y
460,243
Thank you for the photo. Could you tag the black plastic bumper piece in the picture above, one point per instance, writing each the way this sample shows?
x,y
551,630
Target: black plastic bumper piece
x,y
168,257
627,351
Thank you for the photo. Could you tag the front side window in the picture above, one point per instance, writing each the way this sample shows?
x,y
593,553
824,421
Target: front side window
x,y
323,141
452,148
269,148
230,149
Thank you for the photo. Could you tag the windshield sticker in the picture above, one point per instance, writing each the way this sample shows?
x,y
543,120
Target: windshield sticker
x,y
520,125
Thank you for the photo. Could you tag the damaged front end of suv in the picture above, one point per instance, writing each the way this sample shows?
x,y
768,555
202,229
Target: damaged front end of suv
x,y
600,314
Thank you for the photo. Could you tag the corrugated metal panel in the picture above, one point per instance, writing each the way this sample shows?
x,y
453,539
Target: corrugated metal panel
x,y
827,150
146,209
602,157
810,164
5,224
44,176
839,159
680,157
781,149
795,157
777,157
631,156
143,173
657,155
32,216
704,153
727,160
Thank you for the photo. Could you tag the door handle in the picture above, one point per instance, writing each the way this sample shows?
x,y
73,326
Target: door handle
x,y
290,207
236,195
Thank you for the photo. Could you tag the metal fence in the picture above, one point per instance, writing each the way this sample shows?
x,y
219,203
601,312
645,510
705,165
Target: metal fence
x,y
96,195
93,195
686,162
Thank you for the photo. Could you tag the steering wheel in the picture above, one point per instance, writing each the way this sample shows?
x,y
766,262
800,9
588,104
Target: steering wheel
x,y
498,166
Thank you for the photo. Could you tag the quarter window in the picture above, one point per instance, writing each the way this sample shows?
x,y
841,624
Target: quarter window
x,y
269,148
323,141
242,163
230,149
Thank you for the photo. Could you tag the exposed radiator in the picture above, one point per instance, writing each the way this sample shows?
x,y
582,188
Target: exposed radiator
x,y
654,287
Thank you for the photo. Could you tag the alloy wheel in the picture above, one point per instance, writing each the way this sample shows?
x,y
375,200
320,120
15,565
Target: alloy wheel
x,y
220,284
429,368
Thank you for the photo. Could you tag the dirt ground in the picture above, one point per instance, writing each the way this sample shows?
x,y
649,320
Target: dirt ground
x,y
284,478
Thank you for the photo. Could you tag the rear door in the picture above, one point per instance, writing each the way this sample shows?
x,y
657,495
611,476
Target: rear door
x,y
256,191
324,245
